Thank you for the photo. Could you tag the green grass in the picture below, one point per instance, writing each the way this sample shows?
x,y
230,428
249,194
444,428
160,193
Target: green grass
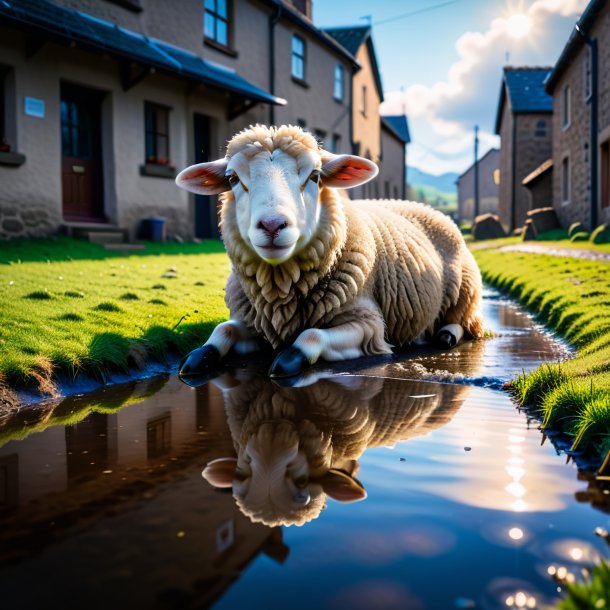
x,y
70,306
591,594
571,296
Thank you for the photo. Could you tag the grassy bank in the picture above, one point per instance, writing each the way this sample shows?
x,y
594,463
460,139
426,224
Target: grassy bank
x,y
571,296
70,306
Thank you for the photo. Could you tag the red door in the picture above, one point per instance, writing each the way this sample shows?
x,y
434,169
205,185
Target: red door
x,y
81,167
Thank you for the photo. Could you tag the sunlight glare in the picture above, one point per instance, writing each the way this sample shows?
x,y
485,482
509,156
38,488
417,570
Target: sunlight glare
x,y
518,26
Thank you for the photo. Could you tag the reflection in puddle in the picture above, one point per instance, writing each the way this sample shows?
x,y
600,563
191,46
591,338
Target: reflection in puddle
x,y
102,503
296,446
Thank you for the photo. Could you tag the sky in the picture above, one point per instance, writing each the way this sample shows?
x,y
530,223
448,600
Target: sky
x,y
441,62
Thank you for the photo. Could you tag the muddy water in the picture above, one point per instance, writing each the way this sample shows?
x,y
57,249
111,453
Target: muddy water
x,y
102,502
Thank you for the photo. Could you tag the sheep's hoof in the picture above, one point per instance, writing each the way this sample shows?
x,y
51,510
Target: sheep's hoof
x,y
200,361
290,362
445,340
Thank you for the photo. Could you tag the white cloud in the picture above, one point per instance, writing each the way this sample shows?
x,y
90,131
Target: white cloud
x,y
469,94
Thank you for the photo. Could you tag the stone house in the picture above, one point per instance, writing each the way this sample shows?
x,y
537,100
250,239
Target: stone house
x,y
102,101
580,88
367,95
393,167
489,190
523,122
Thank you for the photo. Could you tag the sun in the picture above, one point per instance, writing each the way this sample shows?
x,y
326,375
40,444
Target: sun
x,y
518,25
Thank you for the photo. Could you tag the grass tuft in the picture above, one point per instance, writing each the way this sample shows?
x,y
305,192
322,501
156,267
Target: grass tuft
x,y
129,296
108,306
39,295
74,294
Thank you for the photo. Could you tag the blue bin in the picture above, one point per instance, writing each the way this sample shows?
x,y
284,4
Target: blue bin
x,y
153,229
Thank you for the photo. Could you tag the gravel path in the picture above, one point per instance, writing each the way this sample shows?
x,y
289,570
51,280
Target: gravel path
x,y
590,255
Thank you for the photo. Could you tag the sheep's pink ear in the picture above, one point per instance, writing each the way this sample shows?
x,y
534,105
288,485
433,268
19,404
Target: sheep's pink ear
x,y
220,472
340,486
205,178
346,171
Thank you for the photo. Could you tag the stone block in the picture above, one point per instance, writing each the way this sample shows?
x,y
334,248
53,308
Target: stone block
x,y
487,226
12,226
528,232
543,220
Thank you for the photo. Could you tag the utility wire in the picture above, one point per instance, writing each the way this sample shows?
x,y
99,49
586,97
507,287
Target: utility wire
x,y
416,12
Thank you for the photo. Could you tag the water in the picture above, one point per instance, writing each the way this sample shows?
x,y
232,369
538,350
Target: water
x,y
102,502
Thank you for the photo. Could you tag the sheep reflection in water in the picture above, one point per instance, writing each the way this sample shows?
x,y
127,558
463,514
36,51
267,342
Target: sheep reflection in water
x,y
296,446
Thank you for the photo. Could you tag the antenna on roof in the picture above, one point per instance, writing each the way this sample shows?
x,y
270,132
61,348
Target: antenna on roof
x,y
507,58
368,18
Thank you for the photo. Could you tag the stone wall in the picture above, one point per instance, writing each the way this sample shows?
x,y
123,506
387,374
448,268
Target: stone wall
x,y
573,142
506,173
31,221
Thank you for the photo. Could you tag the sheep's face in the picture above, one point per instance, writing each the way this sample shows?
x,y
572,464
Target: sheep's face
x,y
276,201
275,175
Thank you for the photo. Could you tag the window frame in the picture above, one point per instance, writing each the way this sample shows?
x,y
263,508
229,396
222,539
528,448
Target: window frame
x,y
153,157
302,58
212,40
339,83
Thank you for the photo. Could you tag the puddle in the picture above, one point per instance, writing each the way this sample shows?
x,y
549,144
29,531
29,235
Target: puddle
x,y
102,502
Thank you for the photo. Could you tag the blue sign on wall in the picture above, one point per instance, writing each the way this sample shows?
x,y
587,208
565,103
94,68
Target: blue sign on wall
x,y
34,107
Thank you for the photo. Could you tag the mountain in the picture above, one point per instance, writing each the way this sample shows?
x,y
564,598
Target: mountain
x,y
445,183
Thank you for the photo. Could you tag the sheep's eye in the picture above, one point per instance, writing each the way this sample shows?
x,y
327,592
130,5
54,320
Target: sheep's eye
x,y
315,176
234,180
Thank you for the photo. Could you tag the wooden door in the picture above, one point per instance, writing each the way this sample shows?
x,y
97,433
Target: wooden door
x,y
206,215
81,168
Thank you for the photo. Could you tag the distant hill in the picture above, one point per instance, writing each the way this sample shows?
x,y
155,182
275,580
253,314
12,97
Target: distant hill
x,y
444,183
438,191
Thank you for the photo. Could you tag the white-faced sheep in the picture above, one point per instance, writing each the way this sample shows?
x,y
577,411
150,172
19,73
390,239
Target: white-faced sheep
x,y
321,276
295,447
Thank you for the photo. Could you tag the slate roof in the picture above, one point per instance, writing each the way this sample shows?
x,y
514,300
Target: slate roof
x,y
575,42
525,88
66,25
352,38
398,125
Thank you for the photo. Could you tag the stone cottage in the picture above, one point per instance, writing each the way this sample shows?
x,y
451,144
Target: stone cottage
x,y
489,180
393,168
523,122
580,86
102,101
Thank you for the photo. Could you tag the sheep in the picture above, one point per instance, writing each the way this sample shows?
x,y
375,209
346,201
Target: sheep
x,y
296,447
318,275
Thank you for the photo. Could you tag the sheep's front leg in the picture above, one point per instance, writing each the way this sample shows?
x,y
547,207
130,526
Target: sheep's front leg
x,y
360,333
206,359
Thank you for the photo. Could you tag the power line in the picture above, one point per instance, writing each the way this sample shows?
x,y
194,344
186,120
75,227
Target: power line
x,y
416,12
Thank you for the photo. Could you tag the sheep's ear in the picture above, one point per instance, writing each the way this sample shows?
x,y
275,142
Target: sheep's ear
x,y
205,178
220,472
340,486
346,171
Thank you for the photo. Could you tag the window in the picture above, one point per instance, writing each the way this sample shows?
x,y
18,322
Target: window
x,y
157,133
396,193
338,89
540,131
566,110
216,21
605,174
565,180
302,123
587,73
496,175
298,57
335,143
386,189
363,107
76,130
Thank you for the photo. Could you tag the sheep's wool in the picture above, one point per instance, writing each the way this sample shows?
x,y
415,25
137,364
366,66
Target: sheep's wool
x,y
406,257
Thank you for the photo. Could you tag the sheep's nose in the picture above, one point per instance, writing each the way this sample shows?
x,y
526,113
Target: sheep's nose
x,y
272,225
